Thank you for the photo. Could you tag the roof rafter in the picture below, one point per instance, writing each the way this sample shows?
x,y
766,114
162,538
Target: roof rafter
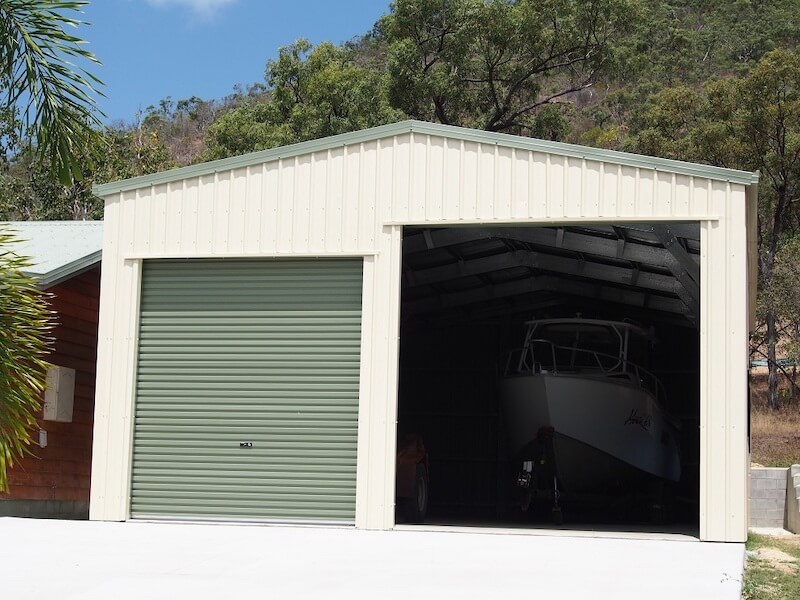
x,y
682,266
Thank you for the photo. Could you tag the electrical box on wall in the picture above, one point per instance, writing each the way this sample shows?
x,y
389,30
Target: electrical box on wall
x,y
60,394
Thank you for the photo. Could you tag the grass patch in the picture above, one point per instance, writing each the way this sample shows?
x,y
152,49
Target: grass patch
x,y
775,434
772,571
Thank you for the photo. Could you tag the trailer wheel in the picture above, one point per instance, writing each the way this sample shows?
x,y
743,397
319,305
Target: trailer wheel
x,y
416,507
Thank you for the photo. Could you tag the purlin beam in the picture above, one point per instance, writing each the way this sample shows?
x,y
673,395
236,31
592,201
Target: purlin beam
x,y
673,257
544,262
512,304
541,301
543,236
545,283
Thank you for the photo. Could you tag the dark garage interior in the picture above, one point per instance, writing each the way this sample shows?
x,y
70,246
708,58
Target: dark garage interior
x,y
467,293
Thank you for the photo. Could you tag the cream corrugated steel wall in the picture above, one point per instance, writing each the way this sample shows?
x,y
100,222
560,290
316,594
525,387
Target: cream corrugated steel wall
x,y
352,200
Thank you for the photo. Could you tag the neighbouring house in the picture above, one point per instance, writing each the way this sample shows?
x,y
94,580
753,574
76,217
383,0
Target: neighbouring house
x,y
54,480
270,322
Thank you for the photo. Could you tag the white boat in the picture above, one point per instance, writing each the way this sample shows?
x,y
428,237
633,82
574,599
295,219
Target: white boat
x,y
581,409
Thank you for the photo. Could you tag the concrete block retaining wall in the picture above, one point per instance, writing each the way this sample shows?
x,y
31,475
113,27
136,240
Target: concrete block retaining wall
x,y
793,500
768,496
774,494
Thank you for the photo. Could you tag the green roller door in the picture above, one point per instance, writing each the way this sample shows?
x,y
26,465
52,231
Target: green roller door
x,y
247,390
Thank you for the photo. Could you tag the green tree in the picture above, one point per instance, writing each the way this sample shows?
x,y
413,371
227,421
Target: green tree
x,y
783,295
180,126
29,190
680,43
497,65
751,122
312,92
688,41
133,151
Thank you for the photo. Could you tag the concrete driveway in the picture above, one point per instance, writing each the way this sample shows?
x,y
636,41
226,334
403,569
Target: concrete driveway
x,y
150,561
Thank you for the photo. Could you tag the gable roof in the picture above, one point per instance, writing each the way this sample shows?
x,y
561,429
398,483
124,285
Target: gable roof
x,y
434,129
57,249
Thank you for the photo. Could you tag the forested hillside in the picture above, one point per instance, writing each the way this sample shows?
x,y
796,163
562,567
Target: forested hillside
x,y
622,74
708,81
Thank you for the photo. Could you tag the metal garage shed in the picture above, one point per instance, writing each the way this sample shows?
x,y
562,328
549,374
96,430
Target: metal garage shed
x,y
293,256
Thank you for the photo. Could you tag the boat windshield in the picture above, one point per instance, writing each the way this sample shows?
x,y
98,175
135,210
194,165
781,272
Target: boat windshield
x,y
591,348
591,338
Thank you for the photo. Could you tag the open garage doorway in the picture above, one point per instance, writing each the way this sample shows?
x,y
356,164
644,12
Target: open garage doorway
x,y
484,305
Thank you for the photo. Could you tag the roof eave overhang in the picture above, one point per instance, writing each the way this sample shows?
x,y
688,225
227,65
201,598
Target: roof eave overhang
x,y
64,272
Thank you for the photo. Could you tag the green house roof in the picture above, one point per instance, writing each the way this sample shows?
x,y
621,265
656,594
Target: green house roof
x,y
435,129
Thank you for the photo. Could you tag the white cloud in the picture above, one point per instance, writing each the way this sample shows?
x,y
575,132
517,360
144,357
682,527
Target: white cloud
x,y
201,7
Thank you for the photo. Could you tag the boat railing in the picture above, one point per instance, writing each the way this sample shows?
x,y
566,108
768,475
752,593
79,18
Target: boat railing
x,y
562,360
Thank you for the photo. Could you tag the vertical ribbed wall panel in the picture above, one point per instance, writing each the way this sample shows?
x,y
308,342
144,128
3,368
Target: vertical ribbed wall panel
x,y
439,180
261,352
724,356
352,200
335,201
378,408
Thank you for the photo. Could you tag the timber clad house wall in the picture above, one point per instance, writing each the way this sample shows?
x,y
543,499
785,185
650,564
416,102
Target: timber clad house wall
x,y
54,481
60,472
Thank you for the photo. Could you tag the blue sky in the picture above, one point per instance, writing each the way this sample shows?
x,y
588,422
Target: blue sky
x,y
151,49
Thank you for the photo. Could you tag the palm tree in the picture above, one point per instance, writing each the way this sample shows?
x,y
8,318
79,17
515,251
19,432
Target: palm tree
x,y
53,99
25,324
39,81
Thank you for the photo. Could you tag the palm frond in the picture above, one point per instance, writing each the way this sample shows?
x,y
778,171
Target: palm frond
x,y
38,74
25,340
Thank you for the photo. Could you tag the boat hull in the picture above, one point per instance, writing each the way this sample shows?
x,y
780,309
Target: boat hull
x,y
605,429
